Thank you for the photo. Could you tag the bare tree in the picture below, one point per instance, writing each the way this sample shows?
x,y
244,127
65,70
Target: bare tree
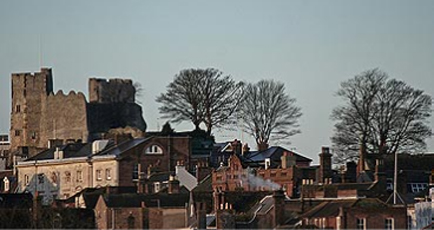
x,y
268,112
201,96
381,116
221,97
183,99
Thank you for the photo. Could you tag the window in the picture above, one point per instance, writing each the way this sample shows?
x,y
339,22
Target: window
x,y
154,149
131,221
136,172
157,187
17,132
79,176
418,187
388,223
26,179
98,174
67,177
33,135
361,223
18,109
41,178
108,174
6,183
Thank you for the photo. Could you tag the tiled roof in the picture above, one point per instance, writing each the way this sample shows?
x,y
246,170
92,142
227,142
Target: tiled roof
x,y
331,208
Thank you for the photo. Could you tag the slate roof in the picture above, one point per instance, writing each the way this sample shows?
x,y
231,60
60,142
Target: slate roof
x,y
120,148
160,176
257,158
70,150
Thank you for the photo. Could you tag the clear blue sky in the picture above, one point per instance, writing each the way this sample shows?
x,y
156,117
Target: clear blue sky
x,y
311,46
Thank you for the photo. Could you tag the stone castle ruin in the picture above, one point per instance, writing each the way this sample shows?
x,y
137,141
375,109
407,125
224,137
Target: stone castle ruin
x,y
41,118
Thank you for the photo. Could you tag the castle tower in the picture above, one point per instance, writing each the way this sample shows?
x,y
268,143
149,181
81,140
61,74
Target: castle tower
x,y
111,91
29,93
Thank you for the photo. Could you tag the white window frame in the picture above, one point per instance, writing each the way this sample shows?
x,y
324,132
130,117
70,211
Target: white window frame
x,y
361,223
108,174
154,150
98,174
389,223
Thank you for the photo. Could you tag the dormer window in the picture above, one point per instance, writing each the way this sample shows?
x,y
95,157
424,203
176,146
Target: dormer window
x,y
154,149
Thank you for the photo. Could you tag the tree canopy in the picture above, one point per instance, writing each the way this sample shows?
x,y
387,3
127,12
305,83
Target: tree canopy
x,y
201,96
380,116
267,112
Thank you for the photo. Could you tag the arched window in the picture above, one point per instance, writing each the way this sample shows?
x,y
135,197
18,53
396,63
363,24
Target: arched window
x,y
131,221
154,149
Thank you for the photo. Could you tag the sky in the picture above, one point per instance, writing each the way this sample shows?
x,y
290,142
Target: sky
x,y
310,46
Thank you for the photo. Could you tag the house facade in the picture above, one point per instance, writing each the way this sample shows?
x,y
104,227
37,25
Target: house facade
x,y
63,171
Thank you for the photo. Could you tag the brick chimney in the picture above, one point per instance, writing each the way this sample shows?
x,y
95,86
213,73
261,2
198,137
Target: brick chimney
x,y
236,146
279,207
351,172
202,170
262,146
380,175
325,168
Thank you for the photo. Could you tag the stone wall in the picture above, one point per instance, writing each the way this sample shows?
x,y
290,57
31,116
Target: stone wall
x,y
64,118
111,91
38,115
29,93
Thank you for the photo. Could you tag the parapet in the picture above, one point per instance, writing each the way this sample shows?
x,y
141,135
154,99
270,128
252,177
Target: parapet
x,y
111,91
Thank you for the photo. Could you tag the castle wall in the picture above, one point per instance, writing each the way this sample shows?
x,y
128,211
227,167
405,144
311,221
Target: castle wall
x,y
38,115
64,118
111,91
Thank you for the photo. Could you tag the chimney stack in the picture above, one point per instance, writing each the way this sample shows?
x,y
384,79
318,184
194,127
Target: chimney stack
x,y
325,168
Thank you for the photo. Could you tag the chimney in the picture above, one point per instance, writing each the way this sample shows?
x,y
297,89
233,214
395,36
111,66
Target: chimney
x,y
202,171
245,149
267,163
288,160
173,185
262,146
325,168
351,172
279,207
380,175
362,155
236,146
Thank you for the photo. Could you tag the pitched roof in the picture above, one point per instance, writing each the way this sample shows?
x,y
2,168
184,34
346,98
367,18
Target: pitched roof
x,y
273,152
135,200
120,148
70,150
331,208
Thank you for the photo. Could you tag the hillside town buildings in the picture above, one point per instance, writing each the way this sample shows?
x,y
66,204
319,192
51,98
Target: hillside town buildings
x,y
93,164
